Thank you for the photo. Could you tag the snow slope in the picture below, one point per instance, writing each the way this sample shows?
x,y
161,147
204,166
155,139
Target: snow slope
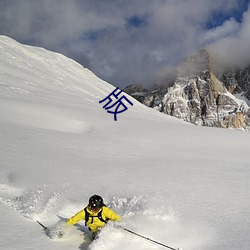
x,y
173,182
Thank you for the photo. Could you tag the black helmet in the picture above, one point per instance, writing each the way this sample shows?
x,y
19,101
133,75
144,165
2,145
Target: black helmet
x,y
96,202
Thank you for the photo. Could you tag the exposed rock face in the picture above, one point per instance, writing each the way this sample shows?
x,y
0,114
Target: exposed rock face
x,y
199,97
137,91
237,81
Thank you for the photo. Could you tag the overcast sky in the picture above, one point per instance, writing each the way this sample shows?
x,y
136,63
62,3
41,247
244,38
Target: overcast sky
x,y
131,41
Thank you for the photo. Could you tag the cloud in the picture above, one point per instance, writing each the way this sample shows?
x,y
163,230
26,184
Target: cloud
x,y
228,28
233,49
121,41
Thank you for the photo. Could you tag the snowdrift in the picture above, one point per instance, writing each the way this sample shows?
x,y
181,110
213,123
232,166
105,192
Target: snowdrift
x,y
179,184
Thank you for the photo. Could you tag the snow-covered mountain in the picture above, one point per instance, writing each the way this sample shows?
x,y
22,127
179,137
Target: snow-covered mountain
x,y
182,185
201,96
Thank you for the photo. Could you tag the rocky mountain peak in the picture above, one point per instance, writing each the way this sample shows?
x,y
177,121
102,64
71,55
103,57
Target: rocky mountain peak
x,y
196,64
200,96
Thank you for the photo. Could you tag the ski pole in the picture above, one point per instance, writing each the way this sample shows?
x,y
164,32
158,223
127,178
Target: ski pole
x,y
146,238
45,228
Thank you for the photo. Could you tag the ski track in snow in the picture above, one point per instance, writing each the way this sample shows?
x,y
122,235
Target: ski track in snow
x,y
43,117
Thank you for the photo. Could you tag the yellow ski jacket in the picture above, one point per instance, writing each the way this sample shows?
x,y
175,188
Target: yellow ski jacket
x,y
94,223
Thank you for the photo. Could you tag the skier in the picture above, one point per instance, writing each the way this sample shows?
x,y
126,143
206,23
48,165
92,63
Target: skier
x,y
95,214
